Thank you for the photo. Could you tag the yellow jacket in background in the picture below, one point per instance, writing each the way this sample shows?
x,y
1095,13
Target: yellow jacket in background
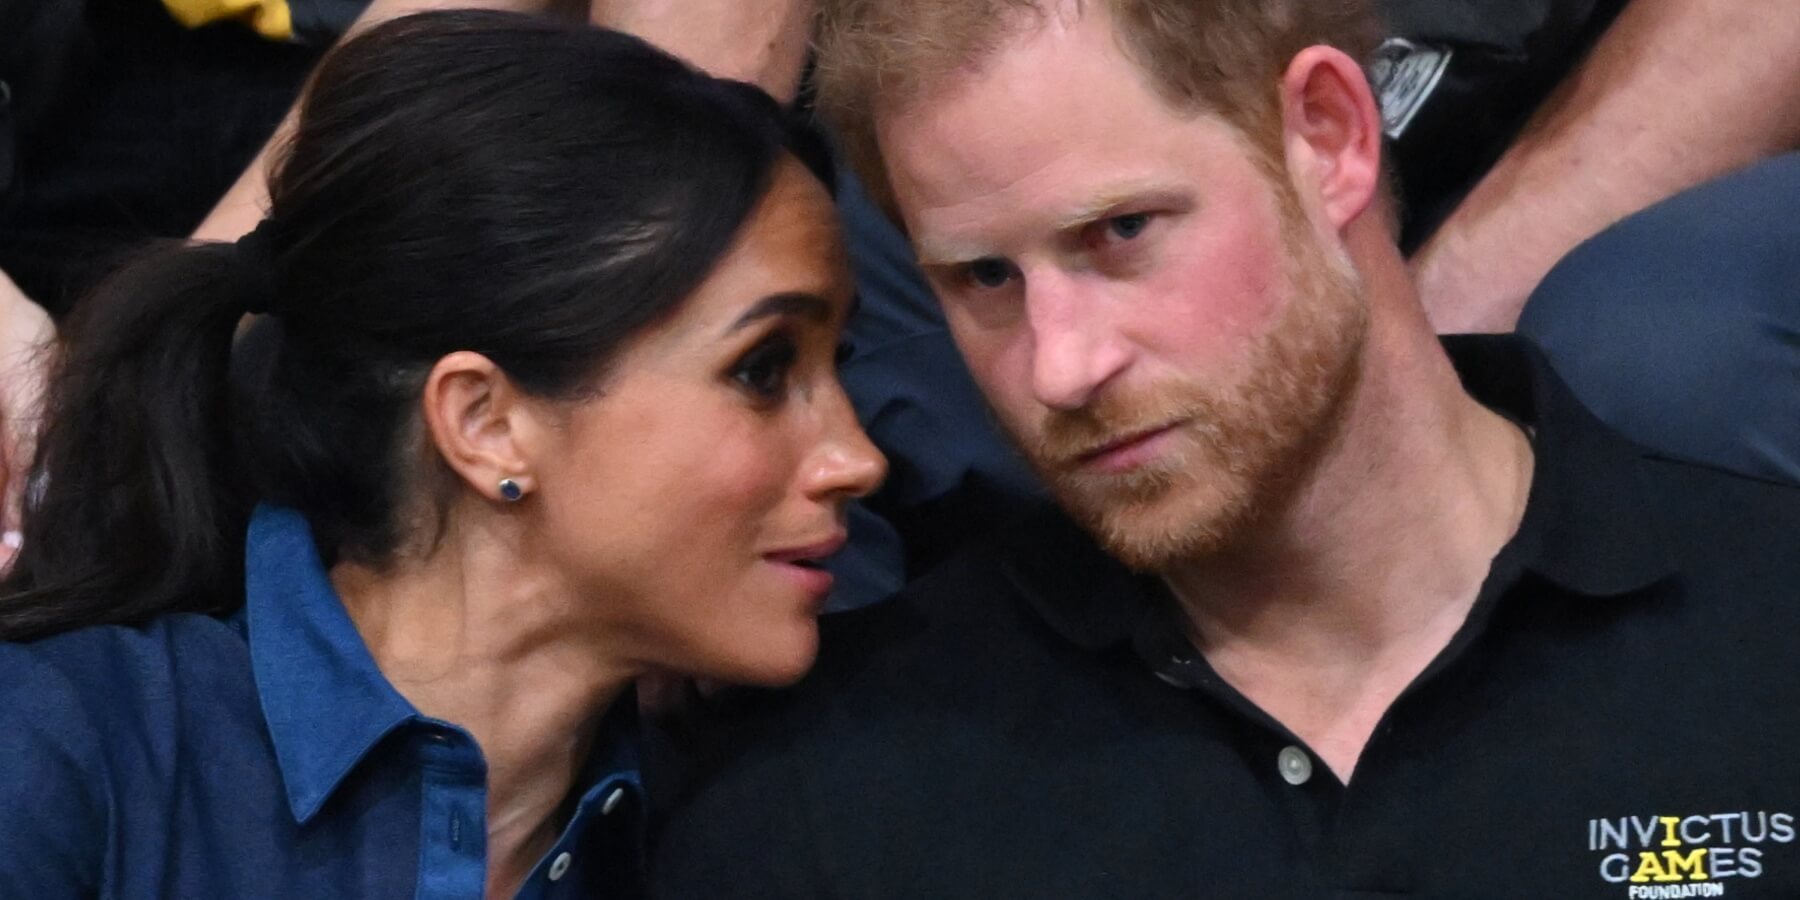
x,y
270,18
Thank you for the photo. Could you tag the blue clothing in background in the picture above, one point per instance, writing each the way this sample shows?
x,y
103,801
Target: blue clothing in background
x,y
265,756
952,476
1680,325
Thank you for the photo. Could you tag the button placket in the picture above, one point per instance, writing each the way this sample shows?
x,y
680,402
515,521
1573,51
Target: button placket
x,y
1177,669
612,801
560,865
1295,765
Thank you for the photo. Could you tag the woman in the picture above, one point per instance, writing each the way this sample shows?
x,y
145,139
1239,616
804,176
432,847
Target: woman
x,y
545,402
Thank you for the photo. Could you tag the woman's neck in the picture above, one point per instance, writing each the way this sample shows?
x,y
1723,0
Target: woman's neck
x,y
476,636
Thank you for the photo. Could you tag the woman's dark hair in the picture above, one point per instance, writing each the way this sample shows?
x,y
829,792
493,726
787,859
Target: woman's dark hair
x,y
532,191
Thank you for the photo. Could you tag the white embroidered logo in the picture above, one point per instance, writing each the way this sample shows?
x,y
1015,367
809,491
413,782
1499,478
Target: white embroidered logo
x,y
1664,857
1404,75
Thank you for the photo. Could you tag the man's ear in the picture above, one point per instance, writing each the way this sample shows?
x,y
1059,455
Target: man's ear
x,y
481,423
1331,127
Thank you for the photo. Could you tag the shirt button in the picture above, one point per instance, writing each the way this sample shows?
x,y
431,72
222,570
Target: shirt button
x,y
560,866
612,801
1296,767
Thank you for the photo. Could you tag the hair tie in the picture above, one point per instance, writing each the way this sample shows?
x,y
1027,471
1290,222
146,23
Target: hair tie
x,y
255,271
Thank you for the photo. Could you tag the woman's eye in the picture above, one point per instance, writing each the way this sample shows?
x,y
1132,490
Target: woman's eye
x,y
991,272
764,370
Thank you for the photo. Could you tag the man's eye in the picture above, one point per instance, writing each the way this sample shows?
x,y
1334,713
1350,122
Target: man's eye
x,y
1128,227
991,272
764,370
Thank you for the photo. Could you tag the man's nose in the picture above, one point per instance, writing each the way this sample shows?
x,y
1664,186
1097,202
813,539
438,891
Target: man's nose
x,y
1075,348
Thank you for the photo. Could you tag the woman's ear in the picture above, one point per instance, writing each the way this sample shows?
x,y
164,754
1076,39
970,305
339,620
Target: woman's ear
x,y
1331,128
482,425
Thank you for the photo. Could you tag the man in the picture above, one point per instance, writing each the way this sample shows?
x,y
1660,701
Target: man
x,y
1638,118
1345,615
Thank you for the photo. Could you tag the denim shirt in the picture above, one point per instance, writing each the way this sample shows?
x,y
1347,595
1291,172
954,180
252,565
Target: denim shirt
x,y
267,756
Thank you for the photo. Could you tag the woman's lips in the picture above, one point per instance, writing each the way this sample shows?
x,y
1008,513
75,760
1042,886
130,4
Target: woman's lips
x,y
804,565
815,552
815,582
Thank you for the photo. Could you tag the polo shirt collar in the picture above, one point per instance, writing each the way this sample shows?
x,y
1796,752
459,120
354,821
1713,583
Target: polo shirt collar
x,y
1089,598
326,702
1589,526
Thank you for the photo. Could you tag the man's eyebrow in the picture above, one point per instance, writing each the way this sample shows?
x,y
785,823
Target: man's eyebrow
x,y
944,256
788,303
1114,202
1110,202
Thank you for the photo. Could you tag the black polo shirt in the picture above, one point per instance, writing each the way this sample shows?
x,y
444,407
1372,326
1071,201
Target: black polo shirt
x,y
1619,717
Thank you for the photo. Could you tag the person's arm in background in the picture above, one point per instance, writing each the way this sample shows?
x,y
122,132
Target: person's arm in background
x,y
1675,93
763,42
760,41
243,204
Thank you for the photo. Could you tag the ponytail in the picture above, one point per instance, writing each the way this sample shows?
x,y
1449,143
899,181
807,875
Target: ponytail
x,y
532,191
135,506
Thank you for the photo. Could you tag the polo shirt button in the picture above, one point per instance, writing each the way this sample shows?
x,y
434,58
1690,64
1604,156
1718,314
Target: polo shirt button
x,y
560,866
612,801
1296,767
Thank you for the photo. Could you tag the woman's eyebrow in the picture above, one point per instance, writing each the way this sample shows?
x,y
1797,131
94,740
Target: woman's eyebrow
x,y
791,303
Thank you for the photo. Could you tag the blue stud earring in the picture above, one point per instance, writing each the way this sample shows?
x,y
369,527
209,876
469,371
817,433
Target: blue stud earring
x,y
510,491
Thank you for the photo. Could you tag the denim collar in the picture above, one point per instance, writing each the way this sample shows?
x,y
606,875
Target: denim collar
x,y
326,702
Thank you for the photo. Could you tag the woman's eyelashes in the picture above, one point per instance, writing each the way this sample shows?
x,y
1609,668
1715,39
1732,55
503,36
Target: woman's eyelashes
x,y
763,371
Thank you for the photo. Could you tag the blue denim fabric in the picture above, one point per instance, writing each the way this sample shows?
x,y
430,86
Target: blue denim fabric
x,y
265,756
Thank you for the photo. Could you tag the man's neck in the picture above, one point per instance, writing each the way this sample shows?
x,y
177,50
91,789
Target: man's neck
x,y
1326,613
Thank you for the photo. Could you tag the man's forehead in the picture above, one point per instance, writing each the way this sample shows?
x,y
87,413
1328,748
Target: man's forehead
x,y
988,125
1062,129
